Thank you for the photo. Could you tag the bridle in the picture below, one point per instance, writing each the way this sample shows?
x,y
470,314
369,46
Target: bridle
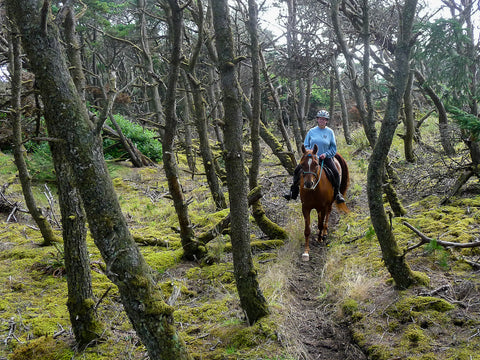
x,y
317,174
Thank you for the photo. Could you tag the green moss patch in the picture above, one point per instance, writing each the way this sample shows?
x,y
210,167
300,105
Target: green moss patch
x,y
405,309
43,348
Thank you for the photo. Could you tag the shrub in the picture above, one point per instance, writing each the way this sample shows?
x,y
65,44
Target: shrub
x,y
143,139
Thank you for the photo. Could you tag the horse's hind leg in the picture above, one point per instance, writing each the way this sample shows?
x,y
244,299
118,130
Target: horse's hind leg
x,y
306,233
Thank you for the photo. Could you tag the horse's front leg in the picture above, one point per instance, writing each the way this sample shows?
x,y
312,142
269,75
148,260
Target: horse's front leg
x,y
306,233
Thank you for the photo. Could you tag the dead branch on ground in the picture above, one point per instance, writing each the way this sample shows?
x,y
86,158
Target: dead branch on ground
x,y
424,239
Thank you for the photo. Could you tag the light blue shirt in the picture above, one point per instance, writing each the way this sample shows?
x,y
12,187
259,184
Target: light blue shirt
x,y
325,140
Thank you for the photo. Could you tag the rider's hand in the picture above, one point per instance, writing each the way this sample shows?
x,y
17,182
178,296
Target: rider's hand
x,y
322,156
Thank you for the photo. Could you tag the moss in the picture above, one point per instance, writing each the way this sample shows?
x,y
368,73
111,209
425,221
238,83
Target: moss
x,y
429,356
409,307
464,352
120,184
162,260
217,272
215,311
240,336
421,278
43,348
263,257
267,244
379,352
167,288
414,335
19,253
349,307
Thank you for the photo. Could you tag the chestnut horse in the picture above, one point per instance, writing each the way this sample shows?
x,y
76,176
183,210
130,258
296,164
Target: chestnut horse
x,y
316,192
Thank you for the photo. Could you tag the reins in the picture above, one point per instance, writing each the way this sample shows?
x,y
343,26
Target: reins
x,y
319,176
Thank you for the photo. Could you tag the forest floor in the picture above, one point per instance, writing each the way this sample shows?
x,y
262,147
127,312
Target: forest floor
x,y
341,304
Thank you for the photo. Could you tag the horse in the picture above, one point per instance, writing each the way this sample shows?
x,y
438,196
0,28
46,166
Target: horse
x,y
316,192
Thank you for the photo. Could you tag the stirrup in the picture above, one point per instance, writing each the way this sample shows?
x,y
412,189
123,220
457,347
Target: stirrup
x,y
339,198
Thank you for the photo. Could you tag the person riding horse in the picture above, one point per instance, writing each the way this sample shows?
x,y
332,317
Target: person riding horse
x,y
324,138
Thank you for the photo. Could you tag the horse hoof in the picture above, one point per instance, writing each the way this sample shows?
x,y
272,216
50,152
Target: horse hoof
x,y
305,257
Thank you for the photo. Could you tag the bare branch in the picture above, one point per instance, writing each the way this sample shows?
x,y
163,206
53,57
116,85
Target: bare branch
x,y
426,240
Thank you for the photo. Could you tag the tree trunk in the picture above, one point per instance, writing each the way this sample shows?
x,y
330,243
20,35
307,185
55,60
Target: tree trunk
x,y
370,119
152,87
264,223
409,121
46,230
190,245
278,109
199,113
292,53
187,129
81,306
442,114
251,297
205,151
367,122
79,140
393,257
256,95
343,103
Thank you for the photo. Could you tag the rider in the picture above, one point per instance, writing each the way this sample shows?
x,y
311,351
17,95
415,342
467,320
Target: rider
x,y
324,137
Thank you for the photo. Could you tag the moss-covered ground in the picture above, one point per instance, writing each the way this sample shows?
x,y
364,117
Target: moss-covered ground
x,y
438,320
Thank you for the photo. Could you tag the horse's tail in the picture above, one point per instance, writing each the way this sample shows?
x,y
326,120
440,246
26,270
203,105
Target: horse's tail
x,y
344,182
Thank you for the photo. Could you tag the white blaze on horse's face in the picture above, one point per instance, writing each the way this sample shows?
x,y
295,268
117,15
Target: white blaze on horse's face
x,y
310,160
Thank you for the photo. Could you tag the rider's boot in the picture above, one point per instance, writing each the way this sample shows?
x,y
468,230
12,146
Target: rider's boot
x,y
293,193
338,196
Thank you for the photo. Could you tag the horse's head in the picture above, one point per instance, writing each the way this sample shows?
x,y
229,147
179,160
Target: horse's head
x,y
310,167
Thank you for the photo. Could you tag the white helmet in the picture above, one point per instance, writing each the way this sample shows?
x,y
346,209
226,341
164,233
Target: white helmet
x,y
323,114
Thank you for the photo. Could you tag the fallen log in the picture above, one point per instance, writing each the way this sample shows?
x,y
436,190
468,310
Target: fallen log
x,y
218,228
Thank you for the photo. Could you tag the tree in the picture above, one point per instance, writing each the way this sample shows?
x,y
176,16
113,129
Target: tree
x,y
78,139
393,258
190,247
48,235
367,122
199,112
251,297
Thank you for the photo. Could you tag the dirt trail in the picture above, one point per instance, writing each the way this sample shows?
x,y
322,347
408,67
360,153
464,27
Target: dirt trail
x,y
319,336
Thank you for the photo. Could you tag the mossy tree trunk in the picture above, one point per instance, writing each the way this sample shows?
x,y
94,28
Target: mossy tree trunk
x,y
251,297
79,140
199,114
268,227
81,305
190,246
409,121
392,256
46,230
203,138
